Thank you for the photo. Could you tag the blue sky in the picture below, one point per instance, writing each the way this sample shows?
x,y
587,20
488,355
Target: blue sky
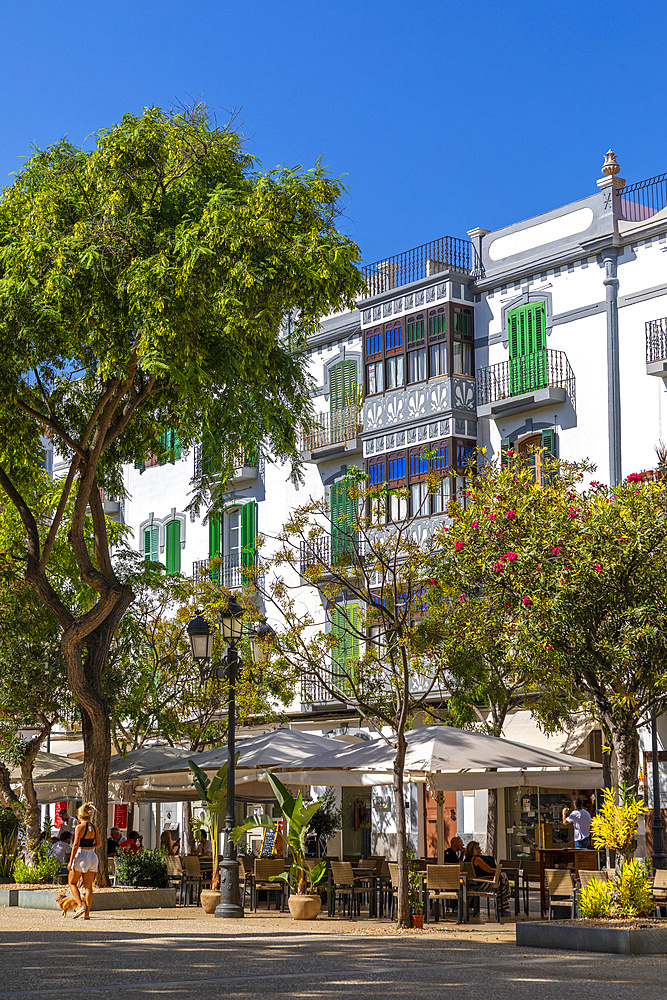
x,y
442,116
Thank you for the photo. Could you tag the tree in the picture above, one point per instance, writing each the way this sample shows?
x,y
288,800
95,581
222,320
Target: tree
x,y
370,575
579,573
151,283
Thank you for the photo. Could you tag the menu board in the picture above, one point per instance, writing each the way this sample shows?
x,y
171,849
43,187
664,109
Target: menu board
x,y
268,840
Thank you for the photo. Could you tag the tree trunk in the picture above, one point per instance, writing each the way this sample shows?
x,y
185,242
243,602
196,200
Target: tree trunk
x,y
626,745
401,835
8,796
31,815
492,823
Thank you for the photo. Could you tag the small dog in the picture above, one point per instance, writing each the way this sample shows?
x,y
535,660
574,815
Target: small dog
x,y
66,903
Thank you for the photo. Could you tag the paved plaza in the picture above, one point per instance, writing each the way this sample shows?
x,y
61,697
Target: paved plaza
x,y
183,954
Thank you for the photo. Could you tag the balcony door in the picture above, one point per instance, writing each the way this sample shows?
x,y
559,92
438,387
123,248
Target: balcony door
x,y
528,348
343,508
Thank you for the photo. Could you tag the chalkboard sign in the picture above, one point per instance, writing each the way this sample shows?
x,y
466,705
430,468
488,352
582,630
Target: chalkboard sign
x,y
268,840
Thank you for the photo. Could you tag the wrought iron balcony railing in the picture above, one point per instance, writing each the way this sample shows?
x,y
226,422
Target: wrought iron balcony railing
x,y
333,428
656,340
644,199
446,254
315,692
232,571
326,553
540,370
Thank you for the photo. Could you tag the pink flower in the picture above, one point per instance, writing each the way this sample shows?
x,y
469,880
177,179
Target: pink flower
x,y
510,514
598,568
527,603
635,477
473,524
492,517
511,556
432,581
555,552
498,568
548,647
622,538
458,546
573,513
510,451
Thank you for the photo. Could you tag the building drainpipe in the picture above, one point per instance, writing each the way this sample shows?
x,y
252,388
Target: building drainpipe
x,y
610,262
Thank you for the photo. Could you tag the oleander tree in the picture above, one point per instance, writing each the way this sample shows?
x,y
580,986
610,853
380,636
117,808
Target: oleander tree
x,y
153,282
577,574
345,591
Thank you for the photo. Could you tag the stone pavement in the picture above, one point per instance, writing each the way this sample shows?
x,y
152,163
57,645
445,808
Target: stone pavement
x,y
185,955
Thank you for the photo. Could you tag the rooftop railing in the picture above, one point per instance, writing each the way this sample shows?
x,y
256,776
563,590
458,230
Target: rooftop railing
x,y
539,370
333,428
446,254
656,340
644,199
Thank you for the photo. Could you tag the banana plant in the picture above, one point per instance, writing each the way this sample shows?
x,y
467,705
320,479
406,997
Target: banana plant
x,y
296,822
213,795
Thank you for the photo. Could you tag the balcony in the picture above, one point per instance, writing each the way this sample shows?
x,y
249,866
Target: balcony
x,y
233,571
246,468
445,254
327,555
333,433
538,380
315,693
656,347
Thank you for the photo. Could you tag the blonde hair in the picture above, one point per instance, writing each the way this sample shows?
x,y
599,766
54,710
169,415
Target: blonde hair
x,y
85,811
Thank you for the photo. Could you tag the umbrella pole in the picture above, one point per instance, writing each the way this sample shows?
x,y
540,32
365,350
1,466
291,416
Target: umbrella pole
x,y
539,820
440,825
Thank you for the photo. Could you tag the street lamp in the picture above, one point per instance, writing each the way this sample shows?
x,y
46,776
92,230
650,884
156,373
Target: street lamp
x,y
658,858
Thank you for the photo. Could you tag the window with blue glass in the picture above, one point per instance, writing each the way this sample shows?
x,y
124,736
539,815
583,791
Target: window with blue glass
x,y
376,472
393,338
464,453
396,467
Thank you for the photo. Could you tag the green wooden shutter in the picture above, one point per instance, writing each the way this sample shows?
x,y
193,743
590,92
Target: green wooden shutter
x,y
151,544
175,447
505,445
515,364
343,518
214,539
344,626
549,445
140,465
173,561
248,534
342,385
527,341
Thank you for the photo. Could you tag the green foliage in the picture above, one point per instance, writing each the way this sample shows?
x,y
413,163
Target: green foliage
x,y
144,867
414,885
9,849
327,820
596,899
632,889
614,826
297,820
213,795
45,868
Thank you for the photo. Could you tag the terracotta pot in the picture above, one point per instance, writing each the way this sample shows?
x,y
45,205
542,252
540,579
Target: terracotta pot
x,y
209,900
304,907
418,921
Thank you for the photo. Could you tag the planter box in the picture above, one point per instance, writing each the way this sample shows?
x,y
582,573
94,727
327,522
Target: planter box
x,y
579,936
114,899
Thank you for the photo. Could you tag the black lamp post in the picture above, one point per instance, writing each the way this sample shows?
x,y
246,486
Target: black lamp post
x,y
658,858
201,640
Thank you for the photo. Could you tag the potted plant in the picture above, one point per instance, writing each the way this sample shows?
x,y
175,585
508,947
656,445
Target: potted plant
x,y
415,903
304,901
213,795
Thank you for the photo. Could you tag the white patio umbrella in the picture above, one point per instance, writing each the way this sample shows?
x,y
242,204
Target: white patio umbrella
x,y
449,758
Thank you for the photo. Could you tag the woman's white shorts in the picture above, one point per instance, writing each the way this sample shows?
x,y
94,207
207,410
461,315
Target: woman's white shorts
x,y
85,861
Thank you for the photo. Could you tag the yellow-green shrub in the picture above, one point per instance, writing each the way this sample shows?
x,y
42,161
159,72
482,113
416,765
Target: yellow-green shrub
x,y
632,889
596,899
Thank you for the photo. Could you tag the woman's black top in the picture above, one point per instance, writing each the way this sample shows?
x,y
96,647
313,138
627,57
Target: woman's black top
x,y
88,842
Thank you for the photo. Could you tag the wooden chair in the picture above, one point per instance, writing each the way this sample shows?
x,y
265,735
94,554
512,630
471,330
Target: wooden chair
x,y
473,890
660,890
512,868
263,870
342,883
586,876
246,868
392,887
192,877
443,882
531,881
561,890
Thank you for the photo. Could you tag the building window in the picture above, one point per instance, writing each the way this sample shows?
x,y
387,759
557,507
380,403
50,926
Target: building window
x,y
342,507
393,338
173,546
152,543
527,340
395,373
419,495
535,450
463,341
170,447
417,365
462,358
374,379
345,652
438,359
343,385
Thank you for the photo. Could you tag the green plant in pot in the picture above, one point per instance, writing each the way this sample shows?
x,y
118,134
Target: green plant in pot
x,y
414,900
304,901
213,795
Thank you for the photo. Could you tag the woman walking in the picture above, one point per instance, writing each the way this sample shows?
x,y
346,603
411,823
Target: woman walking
x,y
83,862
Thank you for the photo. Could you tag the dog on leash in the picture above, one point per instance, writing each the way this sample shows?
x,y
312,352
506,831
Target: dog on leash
x,y
66,903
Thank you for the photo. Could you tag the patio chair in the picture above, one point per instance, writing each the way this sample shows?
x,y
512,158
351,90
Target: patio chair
x,y
246,866
492,892
192,878
342,883
561,890
660,890
391,889
263,870
531,881
586,876
512,868
175,875
443,882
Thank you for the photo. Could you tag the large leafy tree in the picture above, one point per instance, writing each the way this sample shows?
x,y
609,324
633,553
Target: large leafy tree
x,y
577,574
151,282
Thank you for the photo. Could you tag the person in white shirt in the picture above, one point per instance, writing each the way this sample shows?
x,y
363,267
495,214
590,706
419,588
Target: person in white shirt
x,y
67,822
580,819
62,847
204,847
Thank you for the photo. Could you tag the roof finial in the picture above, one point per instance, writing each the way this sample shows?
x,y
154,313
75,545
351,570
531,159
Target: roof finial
x,y
610,167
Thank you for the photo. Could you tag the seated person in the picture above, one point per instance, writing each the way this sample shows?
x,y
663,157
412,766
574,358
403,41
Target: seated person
x,y
113,842
62,847
133,842
167,844
454,853
204,848
481,880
